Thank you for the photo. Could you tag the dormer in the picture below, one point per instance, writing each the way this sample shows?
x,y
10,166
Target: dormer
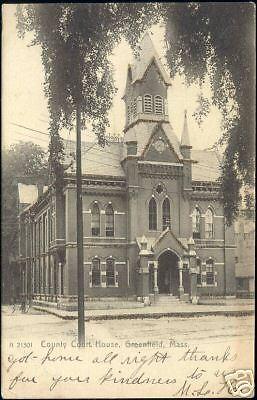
x,y
146,87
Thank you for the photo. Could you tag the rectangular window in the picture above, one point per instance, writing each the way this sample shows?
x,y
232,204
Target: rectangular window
x,y
95,231
196,235
109,221
199,271
210,276
96,273
209,231
110,273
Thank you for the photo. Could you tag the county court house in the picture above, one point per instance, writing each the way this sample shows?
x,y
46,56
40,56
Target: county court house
x,y
153,222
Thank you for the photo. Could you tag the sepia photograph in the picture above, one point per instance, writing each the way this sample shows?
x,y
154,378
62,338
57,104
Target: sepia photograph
x,y
128,200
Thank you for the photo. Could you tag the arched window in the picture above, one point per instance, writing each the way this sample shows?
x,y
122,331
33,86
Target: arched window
x,y
199,271
166,214
109,224
196,223
110,272
158,105
210,275
209,224
96,272
95,220
148,103
152,215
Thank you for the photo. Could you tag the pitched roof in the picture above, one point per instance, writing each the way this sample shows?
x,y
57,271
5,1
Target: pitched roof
x,y
208,166
142,131
107,161
166,232
147,55
97,160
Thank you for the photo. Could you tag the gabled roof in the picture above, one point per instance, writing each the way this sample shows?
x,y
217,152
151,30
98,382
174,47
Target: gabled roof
x,y
147,55
107,161
97,160
166,232
142,133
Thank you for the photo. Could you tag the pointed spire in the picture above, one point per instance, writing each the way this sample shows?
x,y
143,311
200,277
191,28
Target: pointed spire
x,y
146,54
185,135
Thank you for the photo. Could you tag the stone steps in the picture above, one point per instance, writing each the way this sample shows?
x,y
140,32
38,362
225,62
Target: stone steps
x,y
166,300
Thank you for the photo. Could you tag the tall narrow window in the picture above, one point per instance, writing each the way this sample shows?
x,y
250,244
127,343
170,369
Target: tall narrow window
x,y
134,108
158,105
199,271
109,215
166,214
210,276
128,111
96,273
152,215
209,224
148,103
95,220
110,272
196,223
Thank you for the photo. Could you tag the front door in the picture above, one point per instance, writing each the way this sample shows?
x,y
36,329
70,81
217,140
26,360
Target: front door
x,y
168,276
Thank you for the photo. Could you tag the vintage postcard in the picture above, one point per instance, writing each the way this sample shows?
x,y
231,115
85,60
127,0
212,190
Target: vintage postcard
x,y
128,221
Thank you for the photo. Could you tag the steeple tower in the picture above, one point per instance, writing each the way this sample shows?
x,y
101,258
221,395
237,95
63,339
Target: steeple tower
x,y
146,88
185,146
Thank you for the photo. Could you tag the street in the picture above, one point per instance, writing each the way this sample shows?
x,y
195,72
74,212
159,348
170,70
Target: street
x,y
182,357
208,329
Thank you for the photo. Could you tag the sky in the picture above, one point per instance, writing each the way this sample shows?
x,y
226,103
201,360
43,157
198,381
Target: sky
x,y
24,106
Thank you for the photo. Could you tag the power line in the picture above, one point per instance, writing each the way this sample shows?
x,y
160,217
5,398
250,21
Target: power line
x,y
100,162
31,137
30,129
100,149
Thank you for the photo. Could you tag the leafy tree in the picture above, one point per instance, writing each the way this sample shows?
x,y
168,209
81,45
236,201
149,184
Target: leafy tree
x,y
76,42
203,39
20,160
217,40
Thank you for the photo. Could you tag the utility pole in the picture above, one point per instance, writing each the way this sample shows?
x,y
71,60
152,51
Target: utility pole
x,y
80,255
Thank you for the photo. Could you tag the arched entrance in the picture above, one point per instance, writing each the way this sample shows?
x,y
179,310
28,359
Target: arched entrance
x,y
168,273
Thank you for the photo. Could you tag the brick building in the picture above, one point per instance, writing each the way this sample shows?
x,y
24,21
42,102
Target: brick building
x,y
245,255
153,220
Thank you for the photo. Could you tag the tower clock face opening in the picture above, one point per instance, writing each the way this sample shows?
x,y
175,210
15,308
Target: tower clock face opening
x,y
159,145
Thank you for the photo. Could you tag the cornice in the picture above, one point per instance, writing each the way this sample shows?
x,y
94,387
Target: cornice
x,y
147,118
164,170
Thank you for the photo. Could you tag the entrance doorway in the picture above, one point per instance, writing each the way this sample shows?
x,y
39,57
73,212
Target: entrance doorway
x,y
168,274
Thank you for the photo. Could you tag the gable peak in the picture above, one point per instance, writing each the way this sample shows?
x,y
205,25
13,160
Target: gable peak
x,y
145,56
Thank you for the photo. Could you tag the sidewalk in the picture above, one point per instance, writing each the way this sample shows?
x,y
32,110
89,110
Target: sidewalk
x,y
237,307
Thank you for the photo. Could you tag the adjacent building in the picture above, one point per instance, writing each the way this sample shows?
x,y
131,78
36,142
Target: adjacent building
x,y
152,216
245,254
